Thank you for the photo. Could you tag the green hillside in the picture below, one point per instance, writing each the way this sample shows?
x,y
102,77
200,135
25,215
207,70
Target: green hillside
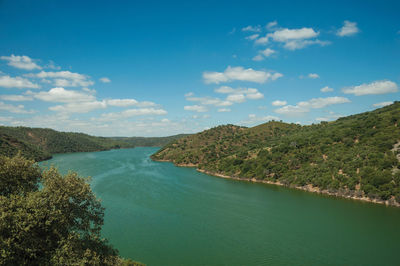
x,y
149,141
353,156
40,143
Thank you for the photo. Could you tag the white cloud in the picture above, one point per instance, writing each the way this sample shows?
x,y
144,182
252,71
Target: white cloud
x,y
285,35
252,37
15,98
240,74
252,28
292,110
105,80
83,101
300,44
17,109
264,53
236,98
129,102
224,110
16,82
133,112
322,119
21,62
253,119
313,76
348,29
209,101
263,40
195,108
326,89
323,102
382,104
279,103
62,95
240,94
294,39
64,78
305,106
258,58
271,24
79,107
376,87
267,52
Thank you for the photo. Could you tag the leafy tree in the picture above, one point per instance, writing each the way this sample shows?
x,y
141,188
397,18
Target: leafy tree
x,y
56,224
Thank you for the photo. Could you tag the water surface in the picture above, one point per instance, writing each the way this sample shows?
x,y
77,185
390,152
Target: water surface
x,y
160,214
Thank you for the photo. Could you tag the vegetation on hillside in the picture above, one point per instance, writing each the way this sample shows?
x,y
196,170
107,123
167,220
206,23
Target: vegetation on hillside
x,y
55,223
40,143
353,156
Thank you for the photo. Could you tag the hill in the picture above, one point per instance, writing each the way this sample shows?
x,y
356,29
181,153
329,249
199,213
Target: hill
x,y
40,143
355,156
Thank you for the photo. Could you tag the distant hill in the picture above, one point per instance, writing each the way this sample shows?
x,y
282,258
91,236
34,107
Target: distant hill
x,y
149,141
354,156
40,143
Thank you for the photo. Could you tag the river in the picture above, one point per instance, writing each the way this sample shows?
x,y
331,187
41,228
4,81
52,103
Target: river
x,y
161,214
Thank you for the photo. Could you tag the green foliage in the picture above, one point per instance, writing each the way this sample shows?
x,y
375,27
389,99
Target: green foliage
x,y
354,155
56,224
40,143
18,175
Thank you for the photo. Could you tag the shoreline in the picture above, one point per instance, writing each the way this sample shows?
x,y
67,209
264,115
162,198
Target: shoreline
x,y
307,188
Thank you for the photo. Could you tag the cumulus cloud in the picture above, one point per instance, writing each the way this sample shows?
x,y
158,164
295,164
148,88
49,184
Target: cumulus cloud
x,y
252,37
348,29
64,78
240,93
15,98
313,76
258,58
271,24
21,62
79,107
326,89
382,104
195,108
252,28
133,112
262,40
63,96
376,87
129,102
17,109
82,101
240,74
264,53
285,35
105,80
16,82
279,103
305,106
224,110
292,110
267,52
293,39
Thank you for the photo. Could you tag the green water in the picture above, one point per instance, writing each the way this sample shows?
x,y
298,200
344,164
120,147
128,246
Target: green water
x,y
160,214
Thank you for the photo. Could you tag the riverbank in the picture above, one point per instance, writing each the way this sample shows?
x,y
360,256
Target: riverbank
x,y
348,194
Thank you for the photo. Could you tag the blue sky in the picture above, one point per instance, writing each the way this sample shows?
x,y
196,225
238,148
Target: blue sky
x,y
152,68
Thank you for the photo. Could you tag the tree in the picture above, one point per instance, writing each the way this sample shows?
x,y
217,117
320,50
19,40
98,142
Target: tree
x,y
56,224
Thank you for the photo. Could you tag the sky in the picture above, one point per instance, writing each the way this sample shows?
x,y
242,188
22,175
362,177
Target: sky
x,y
158,68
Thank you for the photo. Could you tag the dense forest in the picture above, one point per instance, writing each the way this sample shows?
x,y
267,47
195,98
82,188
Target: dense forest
x,y
50,219
40,143
355,156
